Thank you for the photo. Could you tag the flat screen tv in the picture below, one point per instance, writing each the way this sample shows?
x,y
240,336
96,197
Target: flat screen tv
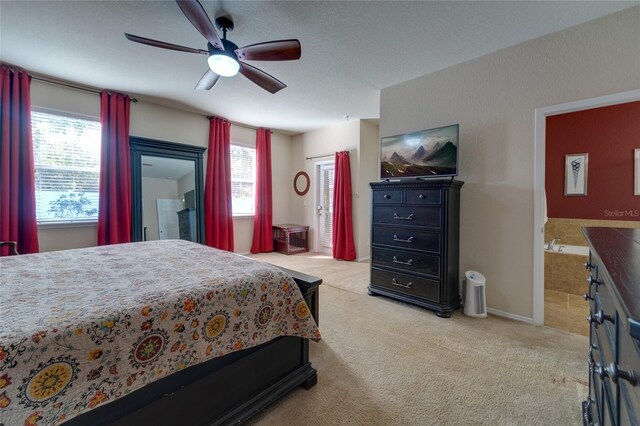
x,y
428,153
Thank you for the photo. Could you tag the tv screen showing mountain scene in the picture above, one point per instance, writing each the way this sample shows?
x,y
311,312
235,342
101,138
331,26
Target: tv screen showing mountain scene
x,y
427,153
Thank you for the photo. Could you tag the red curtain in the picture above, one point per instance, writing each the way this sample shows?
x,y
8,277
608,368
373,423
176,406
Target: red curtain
x,y
114,214
263,218
343,246
217,190
17,175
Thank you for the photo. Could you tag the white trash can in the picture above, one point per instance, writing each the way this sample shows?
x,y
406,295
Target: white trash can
x,y
474,297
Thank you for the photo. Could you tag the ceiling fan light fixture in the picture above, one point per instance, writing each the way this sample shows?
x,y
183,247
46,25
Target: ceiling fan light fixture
x,y
223,65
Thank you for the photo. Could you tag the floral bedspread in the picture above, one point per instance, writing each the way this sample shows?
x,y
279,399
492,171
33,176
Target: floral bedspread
x,y
81,328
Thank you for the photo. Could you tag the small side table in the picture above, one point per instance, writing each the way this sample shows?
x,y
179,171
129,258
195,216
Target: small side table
x,y
290,239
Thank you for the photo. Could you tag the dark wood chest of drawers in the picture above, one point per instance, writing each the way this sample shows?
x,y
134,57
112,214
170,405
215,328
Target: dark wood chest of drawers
x,y
415,242
187,224
614,341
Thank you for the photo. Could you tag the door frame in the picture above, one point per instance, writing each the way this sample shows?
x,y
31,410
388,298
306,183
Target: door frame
x,y
143,146
541,115
317,165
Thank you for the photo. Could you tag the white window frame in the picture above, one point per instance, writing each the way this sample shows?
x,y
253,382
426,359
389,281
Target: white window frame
x,y
75,222
255,174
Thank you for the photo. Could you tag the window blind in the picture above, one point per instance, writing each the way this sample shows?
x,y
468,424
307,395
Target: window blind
x,y
67,167
327,185
243,179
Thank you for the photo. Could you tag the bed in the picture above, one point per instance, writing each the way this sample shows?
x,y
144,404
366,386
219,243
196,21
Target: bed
x,y
160,332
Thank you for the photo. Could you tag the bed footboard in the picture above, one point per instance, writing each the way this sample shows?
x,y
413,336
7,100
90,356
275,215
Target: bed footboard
x,y
225,390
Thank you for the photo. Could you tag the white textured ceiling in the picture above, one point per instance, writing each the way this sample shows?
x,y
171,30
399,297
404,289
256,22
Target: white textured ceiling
x,y
350,49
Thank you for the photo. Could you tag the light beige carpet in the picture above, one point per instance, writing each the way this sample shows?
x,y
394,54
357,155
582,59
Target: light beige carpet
x,y
382,362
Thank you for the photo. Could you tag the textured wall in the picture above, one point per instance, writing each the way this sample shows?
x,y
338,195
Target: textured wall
x,y
609,135
493,98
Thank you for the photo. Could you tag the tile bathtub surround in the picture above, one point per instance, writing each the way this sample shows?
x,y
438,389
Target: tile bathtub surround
x,y
570,230
565,273
566,312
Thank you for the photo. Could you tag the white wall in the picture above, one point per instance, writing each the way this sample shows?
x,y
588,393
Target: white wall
x,y
152,189
494,98
154,121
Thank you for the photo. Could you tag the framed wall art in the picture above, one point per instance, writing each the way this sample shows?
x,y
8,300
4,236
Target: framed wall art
x,y
575,174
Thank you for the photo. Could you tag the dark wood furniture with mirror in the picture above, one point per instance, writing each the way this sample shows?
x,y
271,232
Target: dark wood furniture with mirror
x,y
614,338
415,241
151,147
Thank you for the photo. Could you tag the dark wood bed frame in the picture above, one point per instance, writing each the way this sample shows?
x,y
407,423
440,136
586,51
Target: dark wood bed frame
x,y
225,390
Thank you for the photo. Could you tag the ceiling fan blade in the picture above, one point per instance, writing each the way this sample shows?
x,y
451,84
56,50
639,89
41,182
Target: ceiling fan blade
x,y
208,80
277,50
157,43
261,78
196,14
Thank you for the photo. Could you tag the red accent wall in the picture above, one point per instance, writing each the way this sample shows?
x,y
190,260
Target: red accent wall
x,y
609,135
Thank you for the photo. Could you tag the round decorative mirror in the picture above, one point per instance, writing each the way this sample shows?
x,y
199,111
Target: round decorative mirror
x,y
301,183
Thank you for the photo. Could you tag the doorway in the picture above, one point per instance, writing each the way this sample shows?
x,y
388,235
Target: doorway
x,y
541,115
324,172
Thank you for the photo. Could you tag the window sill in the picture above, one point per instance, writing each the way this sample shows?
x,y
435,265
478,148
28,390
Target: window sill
x,y
67,224
243,216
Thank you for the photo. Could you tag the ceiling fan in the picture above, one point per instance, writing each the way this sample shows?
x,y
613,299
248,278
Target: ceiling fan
x,y
224,57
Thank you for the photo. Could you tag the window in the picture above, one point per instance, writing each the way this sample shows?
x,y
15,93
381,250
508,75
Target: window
x,y
66,153
243,180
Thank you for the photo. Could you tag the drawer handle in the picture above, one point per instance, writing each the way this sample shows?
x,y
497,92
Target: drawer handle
x,y
408,240
616,373
422,196
408,263
592,280
410,217
587,297
386,196
599,318
408,285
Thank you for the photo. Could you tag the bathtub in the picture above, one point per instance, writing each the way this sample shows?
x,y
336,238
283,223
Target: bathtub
x,y
567,249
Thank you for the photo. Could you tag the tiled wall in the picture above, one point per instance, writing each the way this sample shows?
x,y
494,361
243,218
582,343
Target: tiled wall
x,y
570,230
565,278
565,272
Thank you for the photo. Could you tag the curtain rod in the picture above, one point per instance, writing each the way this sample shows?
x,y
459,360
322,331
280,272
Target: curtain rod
x,y
246,126
324,155
72,86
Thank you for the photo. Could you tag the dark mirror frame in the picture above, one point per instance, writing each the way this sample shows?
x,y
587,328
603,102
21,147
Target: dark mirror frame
x,y
157,148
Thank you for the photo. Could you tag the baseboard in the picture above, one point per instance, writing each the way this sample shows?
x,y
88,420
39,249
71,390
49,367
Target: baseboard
x,y
244,253
510,315
360,259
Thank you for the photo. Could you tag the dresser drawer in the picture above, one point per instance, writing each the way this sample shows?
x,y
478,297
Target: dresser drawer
x,y
629,360
407,284
426,217
423,196
392,196
406,238
408,261
607,330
